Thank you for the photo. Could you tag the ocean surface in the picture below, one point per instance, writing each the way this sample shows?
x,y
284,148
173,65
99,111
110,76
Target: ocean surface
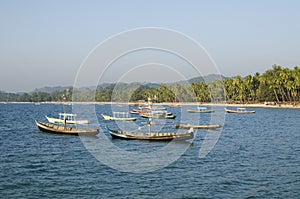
x,y
255,156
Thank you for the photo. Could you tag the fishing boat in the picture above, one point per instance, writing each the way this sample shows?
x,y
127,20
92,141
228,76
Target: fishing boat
x,y
117,117
68,118
139,111
149,105
157,108
239,111
200,110
64,129
151,136
188,126
134,111
158,115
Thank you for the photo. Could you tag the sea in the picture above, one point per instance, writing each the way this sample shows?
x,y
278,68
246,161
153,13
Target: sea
x,y
251,156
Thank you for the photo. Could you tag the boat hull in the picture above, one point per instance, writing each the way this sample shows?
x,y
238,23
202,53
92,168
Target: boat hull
x,y
158,116
107,117
52,128
188,126
200,111
239,112
151,136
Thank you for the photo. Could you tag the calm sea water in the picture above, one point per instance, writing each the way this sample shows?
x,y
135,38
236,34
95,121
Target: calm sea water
x,y
256,156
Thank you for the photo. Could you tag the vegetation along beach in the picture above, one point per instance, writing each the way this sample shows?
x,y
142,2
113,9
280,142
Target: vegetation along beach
x,y
276,87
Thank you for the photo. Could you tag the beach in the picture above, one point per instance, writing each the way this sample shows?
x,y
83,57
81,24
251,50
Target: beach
x,y
250,105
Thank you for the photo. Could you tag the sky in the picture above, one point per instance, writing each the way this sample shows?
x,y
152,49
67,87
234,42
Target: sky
x,y
44,43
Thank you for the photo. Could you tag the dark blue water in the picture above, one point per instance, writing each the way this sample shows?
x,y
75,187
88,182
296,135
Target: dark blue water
x,y
256,156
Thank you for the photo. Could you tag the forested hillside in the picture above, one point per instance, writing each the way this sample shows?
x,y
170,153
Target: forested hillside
x,y
278,84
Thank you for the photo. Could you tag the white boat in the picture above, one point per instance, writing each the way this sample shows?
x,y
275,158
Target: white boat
x,y
200,110
120,116
68,118
239,111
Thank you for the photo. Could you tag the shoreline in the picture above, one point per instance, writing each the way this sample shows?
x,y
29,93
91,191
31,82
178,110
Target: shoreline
x,y
254,105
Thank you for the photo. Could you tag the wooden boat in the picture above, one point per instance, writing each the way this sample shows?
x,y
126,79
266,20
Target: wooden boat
x,y
64,129
188,126
200,110
165,136
158,115
68,118
107,117
239,111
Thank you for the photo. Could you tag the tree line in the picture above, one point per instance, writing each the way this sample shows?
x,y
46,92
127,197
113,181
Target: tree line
x,y
277,84
57,96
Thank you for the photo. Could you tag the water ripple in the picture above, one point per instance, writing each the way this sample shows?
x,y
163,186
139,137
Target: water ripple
x,y
257,156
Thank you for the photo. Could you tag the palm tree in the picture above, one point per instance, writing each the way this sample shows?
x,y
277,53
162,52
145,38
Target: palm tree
x,y
295,83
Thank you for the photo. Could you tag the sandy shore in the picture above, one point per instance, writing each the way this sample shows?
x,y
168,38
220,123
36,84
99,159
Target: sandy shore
x,y
256,105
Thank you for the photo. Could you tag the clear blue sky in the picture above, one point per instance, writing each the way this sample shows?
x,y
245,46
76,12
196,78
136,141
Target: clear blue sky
x,y
43,43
